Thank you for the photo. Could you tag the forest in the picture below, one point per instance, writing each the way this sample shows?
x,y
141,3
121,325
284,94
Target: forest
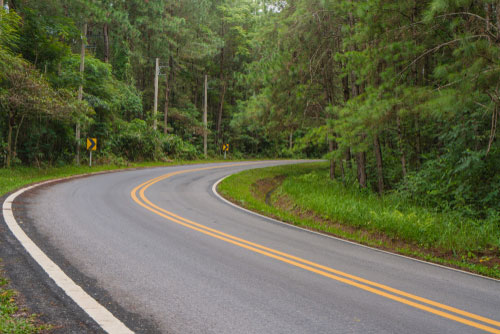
x,y
401,97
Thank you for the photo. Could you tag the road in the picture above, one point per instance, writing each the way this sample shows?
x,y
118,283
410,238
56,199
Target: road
x,y
172,252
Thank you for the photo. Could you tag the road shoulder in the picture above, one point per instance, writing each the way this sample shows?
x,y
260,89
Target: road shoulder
x,y
41,295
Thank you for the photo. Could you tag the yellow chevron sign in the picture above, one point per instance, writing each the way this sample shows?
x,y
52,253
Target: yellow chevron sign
x,y
91,144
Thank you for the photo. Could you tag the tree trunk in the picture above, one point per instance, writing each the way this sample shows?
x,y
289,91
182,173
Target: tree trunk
x,y
361,157
378,157
222,93
488,12
418,146
347,94
332,169
494,121
497,5
171,83
165,108
348,158
400,145
80,92
342,172
355,90
9,138
195,92
106,43
14,148
345,88
332,161
221,108
361,164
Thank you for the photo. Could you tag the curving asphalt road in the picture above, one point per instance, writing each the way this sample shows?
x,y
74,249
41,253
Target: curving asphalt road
x,y
172,252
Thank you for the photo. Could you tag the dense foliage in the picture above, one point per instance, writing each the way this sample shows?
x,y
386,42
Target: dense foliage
x,y
400,96
405,94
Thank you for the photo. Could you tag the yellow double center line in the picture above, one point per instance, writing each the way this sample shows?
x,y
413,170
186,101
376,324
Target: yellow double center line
x,y
421,303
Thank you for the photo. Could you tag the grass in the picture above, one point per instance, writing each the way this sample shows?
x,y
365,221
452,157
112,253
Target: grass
x,y
12,319
306,197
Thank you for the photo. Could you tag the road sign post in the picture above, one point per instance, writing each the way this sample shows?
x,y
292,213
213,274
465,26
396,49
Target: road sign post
x,y
225,148
91,146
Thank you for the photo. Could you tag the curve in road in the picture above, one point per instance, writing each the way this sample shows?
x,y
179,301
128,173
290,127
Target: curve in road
x,y
138,194
168,249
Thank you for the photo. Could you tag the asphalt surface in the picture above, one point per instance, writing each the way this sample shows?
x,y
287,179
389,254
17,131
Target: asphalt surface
x,y
158,275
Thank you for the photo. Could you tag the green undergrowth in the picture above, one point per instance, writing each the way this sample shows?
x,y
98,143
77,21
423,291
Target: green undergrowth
x,y
14,320
305,196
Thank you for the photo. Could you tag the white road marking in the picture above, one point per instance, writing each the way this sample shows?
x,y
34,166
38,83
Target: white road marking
x,y
104,318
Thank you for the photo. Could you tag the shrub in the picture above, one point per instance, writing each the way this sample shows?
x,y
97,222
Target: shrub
x,y
136,141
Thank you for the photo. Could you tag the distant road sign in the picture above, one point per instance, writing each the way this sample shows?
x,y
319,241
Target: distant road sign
x,y
91,144
225,147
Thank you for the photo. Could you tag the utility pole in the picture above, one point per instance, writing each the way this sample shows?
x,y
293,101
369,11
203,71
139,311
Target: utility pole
x,y
205,128
80,91
155,108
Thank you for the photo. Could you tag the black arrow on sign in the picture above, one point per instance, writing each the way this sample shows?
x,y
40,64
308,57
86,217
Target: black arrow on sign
x,y
92,144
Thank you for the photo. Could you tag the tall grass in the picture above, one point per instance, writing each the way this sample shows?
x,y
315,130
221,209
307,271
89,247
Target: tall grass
x,y
396,218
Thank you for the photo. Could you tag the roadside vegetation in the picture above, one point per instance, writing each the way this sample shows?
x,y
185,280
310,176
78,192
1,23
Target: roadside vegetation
x,y
303,195
401,97
14,320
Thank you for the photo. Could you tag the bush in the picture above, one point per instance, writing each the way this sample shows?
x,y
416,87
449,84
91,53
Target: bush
x,y
136,141
457,182
175,147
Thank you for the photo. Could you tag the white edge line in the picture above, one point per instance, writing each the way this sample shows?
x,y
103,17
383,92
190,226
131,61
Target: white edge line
x,y
104,318
214,190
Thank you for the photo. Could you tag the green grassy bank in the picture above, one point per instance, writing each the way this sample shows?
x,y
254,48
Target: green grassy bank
x,y
13,318
305,196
